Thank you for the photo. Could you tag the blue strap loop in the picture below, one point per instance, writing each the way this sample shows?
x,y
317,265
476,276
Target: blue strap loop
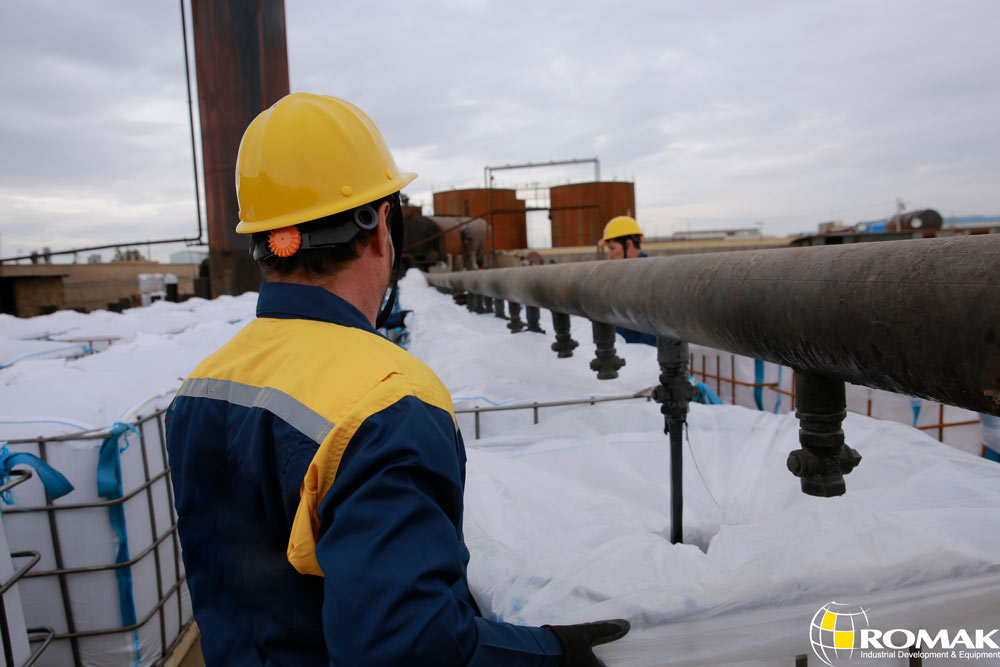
x,y
777,403
758,379
109,485
56,485
915,405
705,393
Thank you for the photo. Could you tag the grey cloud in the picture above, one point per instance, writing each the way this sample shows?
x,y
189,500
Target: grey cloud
x,y
728,112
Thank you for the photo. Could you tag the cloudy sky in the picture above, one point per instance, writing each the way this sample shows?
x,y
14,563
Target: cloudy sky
x,y
723,112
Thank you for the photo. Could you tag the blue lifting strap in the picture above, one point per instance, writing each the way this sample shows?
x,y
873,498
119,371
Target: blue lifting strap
x,y
916,404
55,484
109,485
706,395
758,379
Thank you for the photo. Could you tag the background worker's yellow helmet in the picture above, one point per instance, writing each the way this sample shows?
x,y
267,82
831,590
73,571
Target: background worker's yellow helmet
x,y
622,225
307,157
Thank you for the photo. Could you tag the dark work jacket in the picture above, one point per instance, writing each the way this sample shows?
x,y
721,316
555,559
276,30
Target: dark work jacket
x,y
633,336
319,477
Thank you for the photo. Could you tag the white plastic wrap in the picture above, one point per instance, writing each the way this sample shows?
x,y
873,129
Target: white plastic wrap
x,y
594,543
19,351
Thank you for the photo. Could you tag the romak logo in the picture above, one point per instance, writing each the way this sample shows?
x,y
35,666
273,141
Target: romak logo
x,y
835,631
839,631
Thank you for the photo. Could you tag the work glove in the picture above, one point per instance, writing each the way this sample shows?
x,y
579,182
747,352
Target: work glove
x,y
578,640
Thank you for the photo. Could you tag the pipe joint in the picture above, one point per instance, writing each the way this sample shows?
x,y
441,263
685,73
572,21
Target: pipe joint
x,y
564,345
606,362
515,325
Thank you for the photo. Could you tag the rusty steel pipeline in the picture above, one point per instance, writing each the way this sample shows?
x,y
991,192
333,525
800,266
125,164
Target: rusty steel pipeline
x,y
918,317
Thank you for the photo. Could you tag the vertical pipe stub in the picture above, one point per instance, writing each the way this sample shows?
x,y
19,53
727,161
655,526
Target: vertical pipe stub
x,y
606,362
564,344
498,308
534,315
515,325
824,459
673,394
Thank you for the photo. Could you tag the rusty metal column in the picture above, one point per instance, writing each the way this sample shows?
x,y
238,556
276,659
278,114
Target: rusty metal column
x,y
606,362
821,405
534,315
564,344
241,61
515,325
674,393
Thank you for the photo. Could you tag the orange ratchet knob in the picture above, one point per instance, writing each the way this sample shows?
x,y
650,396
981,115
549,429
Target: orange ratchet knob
x,y
284,242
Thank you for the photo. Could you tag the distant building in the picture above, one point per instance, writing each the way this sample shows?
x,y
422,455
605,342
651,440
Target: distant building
x,y
724,234
832,226
188,257
27,290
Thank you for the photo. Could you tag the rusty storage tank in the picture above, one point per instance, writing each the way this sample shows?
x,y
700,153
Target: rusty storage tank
x,y
500,207
580,210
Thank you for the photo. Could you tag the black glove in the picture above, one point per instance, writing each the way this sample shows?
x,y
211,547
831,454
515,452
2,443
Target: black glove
x,y
577,640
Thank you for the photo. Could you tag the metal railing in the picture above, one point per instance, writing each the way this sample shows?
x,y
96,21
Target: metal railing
x,y
536,405
168,583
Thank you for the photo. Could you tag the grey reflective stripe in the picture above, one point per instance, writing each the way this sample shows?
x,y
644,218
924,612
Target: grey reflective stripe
x,y
278,403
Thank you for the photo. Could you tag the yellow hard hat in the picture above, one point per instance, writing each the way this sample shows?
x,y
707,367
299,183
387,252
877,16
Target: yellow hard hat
x,y
620,226
307,157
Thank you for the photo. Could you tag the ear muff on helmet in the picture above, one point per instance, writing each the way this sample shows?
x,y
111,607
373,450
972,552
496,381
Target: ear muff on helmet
x,y
396,233
286,241
323,233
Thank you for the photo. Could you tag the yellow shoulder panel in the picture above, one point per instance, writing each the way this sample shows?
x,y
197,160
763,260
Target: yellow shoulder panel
x,y
326,367
342,373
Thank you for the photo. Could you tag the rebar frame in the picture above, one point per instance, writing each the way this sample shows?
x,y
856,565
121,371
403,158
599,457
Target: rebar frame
x,y
721,379
43,635
62,573
536,405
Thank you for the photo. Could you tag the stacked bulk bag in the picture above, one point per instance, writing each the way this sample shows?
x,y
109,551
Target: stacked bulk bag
x,y
110,559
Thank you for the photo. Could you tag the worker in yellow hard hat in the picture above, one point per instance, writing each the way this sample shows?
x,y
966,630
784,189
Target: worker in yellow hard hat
x,y
318,471
623,238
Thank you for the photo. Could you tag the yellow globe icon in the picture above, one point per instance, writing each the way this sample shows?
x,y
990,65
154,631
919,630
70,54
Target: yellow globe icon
x,y
836,630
